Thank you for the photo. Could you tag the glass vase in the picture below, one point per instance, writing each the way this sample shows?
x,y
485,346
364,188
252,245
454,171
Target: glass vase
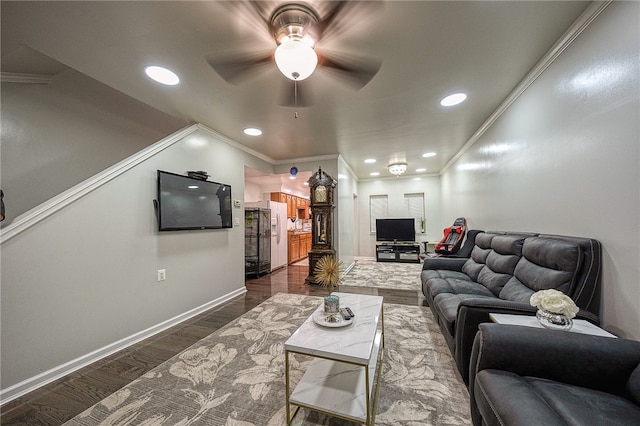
x,y
331,308
554,321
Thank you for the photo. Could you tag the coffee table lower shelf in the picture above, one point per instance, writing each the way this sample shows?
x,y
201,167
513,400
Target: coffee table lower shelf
x,y
341,389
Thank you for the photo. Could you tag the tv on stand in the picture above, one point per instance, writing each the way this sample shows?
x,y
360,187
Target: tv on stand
x,y
396,230
396,240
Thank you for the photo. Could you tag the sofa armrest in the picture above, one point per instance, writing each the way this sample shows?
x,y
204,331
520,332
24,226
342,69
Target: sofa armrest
x,y
473,312
446,263
595,362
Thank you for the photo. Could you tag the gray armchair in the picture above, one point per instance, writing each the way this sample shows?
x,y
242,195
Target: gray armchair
x,y
530,376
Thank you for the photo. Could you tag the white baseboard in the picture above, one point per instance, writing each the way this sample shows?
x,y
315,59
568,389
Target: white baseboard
x,y
33,383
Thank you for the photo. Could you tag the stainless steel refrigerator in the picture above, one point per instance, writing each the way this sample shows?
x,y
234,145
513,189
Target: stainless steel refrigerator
x,y
279,244
257,241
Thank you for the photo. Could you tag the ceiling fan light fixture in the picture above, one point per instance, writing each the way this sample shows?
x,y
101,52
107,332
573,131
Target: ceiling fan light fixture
x,y
296,59
397,168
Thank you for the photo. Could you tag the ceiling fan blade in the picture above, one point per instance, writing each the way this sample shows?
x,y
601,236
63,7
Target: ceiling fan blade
x,y
330,18
341,15
357,71
258,8
295,94
236,68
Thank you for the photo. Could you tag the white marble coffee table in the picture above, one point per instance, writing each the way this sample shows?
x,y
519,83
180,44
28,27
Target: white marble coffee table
x,y
341,379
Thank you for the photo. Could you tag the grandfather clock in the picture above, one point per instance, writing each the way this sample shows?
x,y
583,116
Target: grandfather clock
x,y
321,186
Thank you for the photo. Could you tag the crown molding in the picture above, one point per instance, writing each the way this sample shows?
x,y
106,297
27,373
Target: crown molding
x,y
580,24
306,159
14,77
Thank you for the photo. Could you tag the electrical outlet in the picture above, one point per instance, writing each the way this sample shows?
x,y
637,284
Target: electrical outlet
x,y
162,274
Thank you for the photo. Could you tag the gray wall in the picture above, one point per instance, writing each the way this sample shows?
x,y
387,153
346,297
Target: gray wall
x,y
564,159
57,135
346,189
395,188
86,276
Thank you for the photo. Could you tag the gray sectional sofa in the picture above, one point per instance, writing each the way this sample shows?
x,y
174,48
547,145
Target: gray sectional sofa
x,y
504,270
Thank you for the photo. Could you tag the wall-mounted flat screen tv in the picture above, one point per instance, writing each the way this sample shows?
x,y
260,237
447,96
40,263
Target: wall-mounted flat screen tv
x,y
187,203
396,230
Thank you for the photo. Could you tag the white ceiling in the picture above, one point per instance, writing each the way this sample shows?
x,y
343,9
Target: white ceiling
x,y
428,50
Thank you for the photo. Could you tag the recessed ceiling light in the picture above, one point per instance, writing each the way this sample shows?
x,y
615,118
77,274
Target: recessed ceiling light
x,y
370,160
429,154
252,131
162,75
374,174
454,99
421,169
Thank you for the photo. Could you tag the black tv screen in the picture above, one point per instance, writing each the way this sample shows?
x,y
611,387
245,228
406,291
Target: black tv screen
x,y
398,230
189,203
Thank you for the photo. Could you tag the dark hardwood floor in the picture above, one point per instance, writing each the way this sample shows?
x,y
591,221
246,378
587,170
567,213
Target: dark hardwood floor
x,y
63,399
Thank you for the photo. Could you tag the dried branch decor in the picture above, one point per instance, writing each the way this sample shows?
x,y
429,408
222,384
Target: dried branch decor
x,y
327,271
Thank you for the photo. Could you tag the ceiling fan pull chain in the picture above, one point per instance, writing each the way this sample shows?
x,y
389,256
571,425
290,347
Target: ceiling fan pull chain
x,y
295,92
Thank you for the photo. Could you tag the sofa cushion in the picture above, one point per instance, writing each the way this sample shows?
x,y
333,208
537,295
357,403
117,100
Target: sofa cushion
x,y
586,406
547,402
500,263
515,291
523,406
633,384
508,244
445,305
546,263
438,286
443,273
475,263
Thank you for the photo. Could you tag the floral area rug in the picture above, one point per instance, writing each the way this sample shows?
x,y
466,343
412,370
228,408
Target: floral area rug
x,y
235,376
369,273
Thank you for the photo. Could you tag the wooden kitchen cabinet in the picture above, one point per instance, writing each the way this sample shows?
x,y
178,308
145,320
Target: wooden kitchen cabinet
x,y
279,197
294,248
297,207
291,206
305,245
299,246
303,210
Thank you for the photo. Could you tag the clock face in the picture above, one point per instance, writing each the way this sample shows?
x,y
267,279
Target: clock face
x,y
320,194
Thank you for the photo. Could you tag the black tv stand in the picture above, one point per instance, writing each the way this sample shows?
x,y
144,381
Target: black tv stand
x,y
407,252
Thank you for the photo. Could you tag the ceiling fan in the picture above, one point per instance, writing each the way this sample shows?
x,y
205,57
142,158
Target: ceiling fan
x,y
297,29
